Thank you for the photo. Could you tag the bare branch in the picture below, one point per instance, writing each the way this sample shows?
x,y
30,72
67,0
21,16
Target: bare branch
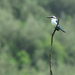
x,y
56,28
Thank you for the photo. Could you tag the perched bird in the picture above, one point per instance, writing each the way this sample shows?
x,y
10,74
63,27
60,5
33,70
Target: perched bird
x,y
54,22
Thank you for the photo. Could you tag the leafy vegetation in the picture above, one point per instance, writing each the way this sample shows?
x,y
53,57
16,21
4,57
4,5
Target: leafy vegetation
x,y
25,36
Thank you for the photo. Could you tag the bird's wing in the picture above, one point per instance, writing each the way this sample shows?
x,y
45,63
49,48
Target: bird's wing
x,y
56,22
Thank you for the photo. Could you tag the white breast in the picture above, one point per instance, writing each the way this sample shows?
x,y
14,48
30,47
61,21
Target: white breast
x,y
53,21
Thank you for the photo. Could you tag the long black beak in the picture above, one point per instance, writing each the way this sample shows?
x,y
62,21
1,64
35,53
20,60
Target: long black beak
x,y
49,17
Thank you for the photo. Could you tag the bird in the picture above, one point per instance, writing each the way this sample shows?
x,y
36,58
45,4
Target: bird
x,y
54,22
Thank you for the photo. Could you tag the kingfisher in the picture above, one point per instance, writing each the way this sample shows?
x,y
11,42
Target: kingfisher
x,y
54,22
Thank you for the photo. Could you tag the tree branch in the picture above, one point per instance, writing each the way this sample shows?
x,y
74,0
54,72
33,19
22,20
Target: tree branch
x,y
56,28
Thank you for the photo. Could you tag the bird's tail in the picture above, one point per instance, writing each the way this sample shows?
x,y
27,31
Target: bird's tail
x,y
62,30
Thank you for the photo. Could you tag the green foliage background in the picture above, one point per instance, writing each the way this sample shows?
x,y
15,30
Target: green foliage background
x,y
25,36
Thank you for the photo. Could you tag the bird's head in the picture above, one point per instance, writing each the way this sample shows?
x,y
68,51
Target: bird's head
x,y
52,17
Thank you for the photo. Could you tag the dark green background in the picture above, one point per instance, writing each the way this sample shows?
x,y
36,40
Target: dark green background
x,y
25,36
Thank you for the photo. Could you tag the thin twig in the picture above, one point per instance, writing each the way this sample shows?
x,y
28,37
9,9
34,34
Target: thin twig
x,y
56,28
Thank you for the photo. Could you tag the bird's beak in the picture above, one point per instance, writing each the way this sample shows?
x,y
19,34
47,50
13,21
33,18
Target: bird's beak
x,y
49,17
